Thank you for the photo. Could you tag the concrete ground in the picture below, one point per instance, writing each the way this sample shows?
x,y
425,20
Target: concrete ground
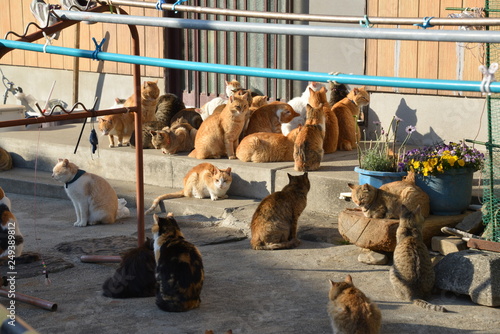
x,y
247,291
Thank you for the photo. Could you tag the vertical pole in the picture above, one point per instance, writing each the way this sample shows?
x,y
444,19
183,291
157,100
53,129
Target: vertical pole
x,y
172,49
76,66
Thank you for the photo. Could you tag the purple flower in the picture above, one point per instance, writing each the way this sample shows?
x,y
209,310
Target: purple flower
x,y
410,129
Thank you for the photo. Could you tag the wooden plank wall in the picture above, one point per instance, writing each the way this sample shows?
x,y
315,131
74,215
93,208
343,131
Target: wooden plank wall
x,y
16,14
430,60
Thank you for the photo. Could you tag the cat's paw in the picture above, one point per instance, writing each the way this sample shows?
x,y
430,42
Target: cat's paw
x,y
79,224
232,157
214,198
120,145
111,145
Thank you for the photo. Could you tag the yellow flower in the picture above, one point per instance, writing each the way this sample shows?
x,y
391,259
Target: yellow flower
x,y
451,160
416,164
433,162
461,162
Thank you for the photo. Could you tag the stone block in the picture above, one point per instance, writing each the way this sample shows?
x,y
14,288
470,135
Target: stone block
x,y
447,244
471,272
473,223
370,257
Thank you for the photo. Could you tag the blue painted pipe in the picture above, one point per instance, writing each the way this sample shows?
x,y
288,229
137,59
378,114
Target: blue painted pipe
x,y
454,85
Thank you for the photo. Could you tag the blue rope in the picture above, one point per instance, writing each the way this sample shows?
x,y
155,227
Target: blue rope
x,y
98,48
365,22
159,3
426,22
178,2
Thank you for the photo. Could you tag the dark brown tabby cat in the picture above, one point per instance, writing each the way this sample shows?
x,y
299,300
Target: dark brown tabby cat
x,y
412,274
179,267
135,277
168,105
338,91
274,223
386,201
190,115
350,311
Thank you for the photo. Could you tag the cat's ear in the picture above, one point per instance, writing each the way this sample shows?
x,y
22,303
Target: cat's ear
x,y
356,91
289,177
59,160
405,212
332,283
348,279
363,88
311,91
227,82
65,162
231,99
366,187
308,107
228,170
352,186
417,210
323,89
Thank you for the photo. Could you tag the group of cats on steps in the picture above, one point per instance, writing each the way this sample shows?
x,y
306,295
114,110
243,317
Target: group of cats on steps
x,y
171,268
245,126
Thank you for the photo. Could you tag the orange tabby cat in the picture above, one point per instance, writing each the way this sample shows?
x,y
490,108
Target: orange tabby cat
x,y
267,147
119,125
218,134
179,137
203,180
269,118
386,201
274,223
317,98
350,311
347,111
258,101
149,97
308,147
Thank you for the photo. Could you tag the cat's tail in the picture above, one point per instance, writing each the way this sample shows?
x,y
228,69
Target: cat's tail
x,y
428,306
123,211
345,145
158,199
278,245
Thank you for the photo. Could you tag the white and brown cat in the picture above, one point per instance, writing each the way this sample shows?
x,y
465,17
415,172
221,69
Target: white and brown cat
x,y
94,199
202,181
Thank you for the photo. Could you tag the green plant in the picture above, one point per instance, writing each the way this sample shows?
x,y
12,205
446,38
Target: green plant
x,y
382,154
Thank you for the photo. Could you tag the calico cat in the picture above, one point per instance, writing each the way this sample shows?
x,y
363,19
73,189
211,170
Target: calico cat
x,y
338,91
5,160
274,223
267,147
168,105
9,222
299,103
135,277
119,125
317,98
179,267
308,147
386,201
203,180
179,137
190,115
94,199
269,118
347,111
350,311
149,99
412,274
218,135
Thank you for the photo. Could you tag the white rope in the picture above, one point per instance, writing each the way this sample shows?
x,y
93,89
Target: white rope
x,y
488,77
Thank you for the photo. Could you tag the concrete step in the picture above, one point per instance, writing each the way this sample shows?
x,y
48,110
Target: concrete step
x,y
41,148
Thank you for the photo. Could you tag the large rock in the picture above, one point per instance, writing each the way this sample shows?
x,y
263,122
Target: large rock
x,y
380,234
471,272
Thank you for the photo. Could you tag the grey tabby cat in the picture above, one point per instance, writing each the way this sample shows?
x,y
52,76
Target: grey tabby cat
x,y
412,275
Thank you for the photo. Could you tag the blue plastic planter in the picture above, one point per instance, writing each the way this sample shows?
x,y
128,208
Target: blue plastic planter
x,y
450,193
377,179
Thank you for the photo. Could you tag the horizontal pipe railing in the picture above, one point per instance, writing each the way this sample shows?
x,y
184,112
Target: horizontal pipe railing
x,y
465,36
453,85
309,17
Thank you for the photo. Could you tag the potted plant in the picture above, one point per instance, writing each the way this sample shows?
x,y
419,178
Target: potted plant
x,y
445,172
380,159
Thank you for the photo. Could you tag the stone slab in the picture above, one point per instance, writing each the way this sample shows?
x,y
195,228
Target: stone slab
x,y
380,234
447,244
471,272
